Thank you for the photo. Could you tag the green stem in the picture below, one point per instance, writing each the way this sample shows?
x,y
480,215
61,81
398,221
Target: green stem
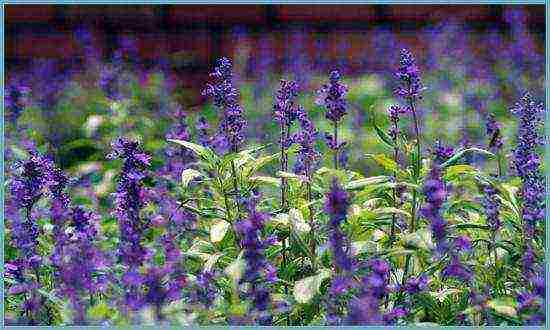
x,y
336,145
417,168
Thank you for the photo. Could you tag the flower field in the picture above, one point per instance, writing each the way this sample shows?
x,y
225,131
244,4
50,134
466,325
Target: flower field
x,y
412,194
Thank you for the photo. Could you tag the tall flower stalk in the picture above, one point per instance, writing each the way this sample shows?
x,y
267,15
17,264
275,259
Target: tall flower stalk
x,y
129,200
410,90
259,272
26,190
394,113
285,112
332,97
336,206
527,165
305,162
233,124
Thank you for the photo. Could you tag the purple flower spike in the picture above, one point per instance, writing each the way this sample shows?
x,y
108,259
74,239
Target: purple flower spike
x,y
226,98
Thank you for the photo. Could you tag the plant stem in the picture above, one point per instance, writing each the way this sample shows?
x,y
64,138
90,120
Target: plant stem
x,y
394,195
416,172
312,240
336,149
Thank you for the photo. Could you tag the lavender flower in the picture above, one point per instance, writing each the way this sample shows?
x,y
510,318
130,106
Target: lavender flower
x,y
226,98
258,270
129,201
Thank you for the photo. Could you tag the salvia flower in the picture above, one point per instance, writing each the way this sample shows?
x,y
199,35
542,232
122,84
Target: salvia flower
x,y
332,97
226,98
365,309
129,201
408,74
491,204
336,206
527,162
394,113
17,97
442,152
435,193
202,131
258,270
307,155
81,260
178,157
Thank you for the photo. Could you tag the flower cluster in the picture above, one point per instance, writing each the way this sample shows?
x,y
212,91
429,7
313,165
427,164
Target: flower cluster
x,y
394,112
259,271
226,98
129,201
305,138
436,194
336,206
442,152
332,97
408,74
527,162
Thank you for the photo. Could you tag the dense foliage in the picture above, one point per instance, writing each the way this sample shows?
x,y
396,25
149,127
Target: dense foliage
x,y
210,227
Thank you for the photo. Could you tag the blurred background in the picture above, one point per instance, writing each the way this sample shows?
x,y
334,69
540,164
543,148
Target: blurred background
x,y
78,76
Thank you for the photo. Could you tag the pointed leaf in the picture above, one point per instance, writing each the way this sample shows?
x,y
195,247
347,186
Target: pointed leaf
x,y
218,231
306,288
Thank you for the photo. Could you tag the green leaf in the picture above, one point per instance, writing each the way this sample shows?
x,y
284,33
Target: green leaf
x,y
258,164
503,306
99,311
453,172
387,163
461,152
297,221
211,261
356,184
188,175
266,179
384,137
391,210
218,230
204,153
235,269
421,239
306,288
288,175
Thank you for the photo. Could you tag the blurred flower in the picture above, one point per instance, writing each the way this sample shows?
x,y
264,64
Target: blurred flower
x,y
129,201
435,194
258,270
442,152
493,132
